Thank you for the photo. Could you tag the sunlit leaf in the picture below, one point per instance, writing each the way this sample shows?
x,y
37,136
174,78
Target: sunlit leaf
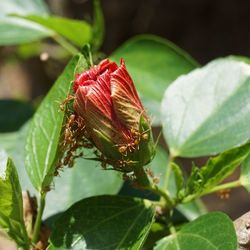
x,y
208,110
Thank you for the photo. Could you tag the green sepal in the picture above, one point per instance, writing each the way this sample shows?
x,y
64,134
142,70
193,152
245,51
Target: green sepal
x,y
146,147
107,147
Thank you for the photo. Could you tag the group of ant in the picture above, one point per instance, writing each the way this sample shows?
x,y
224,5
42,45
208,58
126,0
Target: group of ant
x,y
75,138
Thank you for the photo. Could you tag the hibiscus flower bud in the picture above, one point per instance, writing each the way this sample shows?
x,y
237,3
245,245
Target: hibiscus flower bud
x,y
112,113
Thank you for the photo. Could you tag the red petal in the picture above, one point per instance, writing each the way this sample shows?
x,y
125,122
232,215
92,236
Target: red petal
x,y
126,102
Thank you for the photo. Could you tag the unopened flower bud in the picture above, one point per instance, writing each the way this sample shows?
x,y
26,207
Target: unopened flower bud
x,y
113,115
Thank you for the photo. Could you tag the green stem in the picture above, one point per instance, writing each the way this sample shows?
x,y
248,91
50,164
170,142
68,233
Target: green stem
x,y
144,182
228,185
65,44
38,222
168,203
142,177
168,173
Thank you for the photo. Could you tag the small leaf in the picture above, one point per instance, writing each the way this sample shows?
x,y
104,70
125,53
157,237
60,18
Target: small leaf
x,y
211,231
207,111
178,175
76,31
11,205
45,131
104,222
153,63
14,114
215,170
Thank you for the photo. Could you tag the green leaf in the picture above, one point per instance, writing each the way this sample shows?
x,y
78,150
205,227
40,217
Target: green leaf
x,y
16,31
215,170
240,59
11,205
14,144
153,63
14,114
104,222
85,179
21,7
78,32
245,173
65,191
211,231
208,111
178,176
45,130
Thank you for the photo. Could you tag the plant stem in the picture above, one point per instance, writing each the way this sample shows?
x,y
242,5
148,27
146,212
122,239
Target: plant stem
x,y
168,202
168,173
36,232
142,177
66,45
228,185
145,183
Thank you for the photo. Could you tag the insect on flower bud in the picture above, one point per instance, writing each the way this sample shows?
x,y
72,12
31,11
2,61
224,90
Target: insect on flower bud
x,y
113,115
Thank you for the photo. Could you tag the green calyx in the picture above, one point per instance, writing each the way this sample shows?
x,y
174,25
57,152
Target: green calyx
x,y
128,157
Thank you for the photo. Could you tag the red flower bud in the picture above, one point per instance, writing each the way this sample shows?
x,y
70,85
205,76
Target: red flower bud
x,y
107,101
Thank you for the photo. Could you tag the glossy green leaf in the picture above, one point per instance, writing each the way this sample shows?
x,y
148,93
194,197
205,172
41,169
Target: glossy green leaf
x,y
215,170
45,130
17,31
14,114
153,63
159,166
11,205
104,222
23,7
211,231
85,179
208,111
76,31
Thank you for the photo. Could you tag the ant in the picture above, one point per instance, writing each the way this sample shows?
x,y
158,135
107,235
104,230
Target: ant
x,y
136,137
64,103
